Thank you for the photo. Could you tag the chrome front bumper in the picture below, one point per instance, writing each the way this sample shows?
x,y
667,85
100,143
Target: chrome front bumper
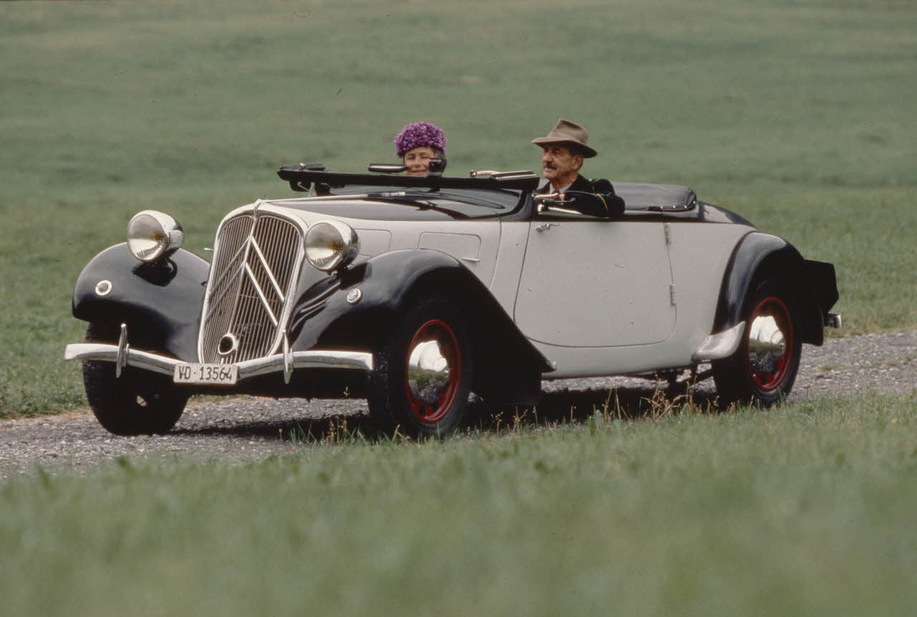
x,y
278,363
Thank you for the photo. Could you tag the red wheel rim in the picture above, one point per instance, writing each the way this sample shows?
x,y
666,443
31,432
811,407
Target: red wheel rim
x,y
434,357
767,371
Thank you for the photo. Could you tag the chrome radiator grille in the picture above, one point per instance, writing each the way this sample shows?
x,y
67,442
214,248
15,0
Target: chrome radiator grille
x,y
256,265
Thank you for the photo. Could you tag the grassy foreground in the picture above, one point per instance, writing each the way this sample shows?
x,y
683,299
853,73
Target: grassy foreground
x,y
806,510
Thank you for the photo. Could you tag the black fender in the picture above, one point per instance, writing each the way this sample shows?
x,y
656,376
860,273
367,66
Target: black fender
x,y
359,309
161,302
759,256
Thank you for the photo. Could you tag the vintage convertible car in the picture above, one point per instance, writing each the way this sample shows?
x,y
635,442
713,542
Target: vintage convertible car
x,y
415,292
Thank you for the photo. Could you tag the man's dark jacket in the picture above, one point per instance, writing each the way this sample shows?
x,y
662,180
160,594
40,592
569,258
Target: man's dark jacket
x,y
593,197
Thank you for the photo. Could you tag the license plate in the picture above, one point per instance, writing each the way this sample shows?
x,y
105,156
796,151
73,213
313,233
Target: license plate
x,y
217,374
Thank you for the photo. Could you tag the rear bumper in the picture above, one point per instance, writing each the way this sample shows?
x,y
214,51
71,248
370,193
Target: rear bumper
x,y
278,363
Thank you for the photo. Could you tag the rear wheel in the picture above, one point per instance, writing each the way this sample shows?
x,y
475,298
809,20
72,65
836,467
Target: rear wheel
x,y
764,367
423,375
136,403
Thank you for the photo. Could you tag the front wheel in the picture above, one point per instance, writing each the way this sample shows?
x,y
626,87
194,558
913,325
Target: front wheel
x,y
763,369
136,403
423,375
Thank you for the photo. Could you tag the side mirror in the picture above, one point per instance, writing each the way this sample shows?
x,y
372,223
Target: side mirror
x,y
436,168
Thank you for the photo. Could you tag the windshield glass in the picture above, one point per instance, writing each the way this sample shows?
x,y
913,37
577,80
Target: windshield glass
x,y
456,203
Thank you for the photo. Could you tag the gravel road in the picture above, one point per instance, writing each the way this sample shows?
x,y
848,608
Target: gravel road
x,y
241,429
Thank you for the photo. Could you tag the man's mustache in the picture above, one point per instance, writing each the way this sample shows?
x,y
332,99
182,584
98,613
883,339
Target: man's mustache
x,y
548,166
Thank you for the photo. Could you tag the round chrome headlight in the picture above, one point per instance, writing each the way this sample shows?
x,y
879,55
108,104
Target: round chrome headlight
x,y
152,235
331,245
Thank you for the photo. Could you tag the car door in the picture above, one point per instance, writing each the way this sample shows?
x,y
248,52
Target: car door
x,y
595,283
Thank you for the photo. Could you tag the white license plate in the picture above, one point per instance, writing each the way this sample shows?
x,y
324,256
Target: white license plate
x,y
218,374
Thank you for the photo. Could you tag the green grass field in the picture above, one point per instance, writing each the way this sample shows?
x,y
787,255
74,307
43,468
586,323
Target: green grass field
x,y
802,511
799,114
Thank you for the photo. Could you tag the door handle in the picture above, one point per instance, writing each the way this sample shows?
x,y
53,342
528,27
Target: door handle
x,y
545,226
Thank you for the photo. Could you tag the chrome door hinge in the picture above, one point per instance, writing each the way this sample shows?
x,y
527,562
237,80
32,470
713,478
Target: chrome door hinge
x,y
667,227
672,294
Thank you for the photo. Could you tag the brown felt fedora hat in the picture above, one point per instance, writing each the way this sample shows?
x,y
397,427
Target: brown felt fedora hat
x,y
566,132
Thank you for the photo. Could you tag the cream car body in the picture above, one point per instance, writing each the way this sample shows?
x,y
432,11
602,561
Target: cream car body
x,y
416,292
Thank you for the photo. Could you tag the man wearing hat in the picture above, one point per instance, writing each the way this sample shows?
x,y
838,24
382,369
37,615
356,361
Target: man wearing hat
x,y
563,151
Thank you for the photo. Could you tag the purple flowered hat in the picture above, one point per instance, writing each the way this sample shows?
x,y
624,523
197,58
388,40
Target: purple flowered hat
x,y
418,134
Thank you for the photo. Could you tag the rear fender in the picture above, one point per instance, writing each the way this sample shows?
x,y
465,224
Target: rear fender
x,y
760,256
160,302
360,309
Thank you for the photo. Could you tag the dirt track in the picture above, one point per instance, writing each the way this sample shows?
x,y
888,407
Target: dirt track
x,y
245,428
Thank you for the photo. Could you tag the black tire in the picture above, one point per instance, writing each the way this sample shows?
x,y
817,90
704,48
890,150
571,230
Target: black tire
x,y
136,403
430,398
763,369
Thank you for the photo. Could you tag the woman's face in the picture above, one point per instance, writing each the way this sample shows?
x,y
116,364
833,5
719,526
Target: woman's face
x,y
418,160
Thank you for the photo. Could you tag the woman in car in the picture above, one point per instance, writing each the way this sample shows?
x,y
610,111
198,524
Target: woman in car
x,y
417,144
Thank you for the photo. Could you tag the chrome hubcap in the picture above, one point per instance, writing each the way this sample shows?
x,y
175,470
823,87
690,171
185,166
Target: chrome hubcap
x,y
428,372
766,344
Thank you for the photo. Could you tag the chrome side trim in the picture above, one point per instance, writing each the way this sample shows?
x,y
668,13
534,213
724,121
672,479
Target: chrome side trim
x,y
720,345
357,360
